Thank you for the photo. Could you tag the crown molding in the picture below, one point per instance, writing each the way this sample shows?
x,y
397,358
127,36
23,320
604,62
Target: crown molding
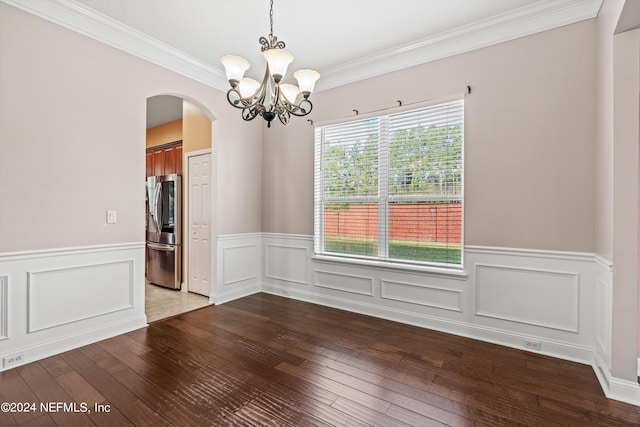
x,y
81,19
540,16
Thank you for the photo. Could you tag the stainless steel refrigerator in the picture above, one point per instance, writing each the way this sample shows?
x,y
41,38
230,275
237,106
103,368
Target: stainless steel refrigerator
x,y
164,230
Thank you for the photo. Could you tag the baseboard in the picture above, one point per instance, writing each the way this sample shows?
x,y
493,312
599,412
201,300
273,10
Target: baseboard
x,y
567,351
62,344
624,391
237,293
616,388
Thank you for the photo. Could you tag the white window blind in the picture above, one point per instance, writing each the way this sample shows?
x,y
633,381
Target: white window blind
x,y
390,187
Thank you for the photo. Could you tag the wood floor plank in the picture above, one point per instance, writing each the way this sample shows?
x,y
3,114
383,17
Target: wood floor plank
x,y
364,399
311,391
47,390
267,360
102,359
273,405
55,366
426,395
255,415
161,401
365,414
316,408
44,420
14,389
78,389
113,392
109,416
413,418
139,414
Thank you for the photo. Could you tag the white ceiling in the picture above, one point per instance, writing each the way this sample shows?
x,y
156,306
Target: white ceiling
x,y
320,33
163,109
344,40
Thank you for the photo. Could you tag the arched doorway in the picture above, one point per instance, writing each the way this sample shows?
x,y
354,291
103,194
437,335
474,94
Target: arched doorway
x,y
179,141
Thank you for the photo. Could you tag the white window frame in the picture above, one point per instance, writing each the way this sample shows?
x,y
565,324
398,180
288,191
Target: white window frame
x,y
382,200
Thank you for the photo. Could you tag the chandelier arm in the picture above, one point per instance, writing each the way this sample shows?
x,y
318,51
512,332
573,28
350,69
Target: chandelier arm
x,y
302,109
249,114
284,117
254,100
260,96
236,100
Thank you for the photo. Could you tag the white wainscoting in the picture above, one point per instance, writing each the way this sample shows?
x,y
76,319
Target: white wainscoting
x,y
296,267
511,297
4,308
349,283
239,267
56,300
429,296
527,292
614,388
603,314
103,288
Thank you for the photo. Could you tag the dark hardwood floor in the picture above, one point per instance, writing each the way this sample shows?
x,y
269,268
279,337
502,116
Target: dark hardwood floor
x,y
266,360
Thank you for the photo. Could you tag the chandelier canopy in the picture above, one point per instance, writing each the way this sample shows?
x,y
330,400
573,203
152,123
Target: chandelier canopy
x,y
271,98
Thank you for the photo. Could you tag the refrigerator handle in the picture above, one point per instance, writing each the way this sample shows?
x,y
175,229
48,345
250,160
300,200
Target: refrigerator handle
x,y
165,248
156,206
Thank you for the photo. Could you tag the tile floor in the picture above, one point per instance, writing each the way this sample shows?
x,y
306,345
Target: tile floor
x,y
162,302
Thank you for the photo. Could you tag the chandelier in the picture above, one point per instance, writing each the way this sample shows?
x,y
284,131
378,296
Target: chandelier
x,y
271,98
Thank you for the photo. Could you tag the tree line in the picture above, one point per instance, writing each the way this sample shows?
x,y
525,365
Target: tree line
x,y
422,160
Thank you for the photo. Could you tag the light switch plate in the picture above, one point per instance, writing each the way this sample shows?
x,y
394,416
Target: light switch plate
x,y
112,217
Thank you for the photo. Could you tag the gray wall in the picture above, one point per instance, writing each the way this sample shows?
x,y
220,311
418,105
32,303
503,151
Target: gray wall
x,y
529,148
72,140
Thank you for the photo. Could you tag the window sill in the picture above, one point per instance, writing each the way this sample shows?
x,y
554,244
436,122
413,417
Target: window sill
x,y
452,273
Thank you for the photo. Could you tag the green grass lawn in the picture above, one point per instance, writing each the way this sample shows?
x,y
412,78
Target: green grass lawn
x,y
400,249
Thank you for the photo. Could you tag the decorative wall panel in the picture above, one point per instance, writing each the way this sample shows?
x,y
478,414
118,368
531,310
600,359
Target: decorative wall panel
x,y
351,283
288,263
4,308
429,296
238,263
536,297
60,296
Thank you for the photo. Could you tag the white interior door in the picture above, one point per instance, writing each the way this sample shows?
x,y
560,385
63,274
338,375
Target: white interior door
x,y
199,271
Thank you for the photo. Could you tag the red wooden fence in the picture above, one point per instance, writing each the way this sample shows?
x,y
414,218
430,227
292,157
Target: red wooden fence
x,y
426,222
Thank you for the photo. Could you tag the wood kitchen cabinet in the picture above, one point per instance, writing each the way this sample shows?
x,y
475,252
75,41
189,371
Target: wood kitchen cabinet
x,y
178,155
149,162
164,159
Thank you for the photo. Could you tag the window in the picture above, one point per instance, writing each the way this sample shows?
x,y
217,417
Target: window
x,y
390,187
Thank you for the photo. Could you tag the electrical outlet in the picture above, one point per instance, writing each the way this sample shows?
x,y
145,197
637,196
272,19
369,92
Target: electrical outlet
x,y
16,359
532,345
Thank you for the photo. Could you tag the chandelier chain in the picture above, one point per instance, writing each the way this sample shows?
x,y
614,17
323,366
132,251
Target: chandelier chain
x,y
272,41
271,20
